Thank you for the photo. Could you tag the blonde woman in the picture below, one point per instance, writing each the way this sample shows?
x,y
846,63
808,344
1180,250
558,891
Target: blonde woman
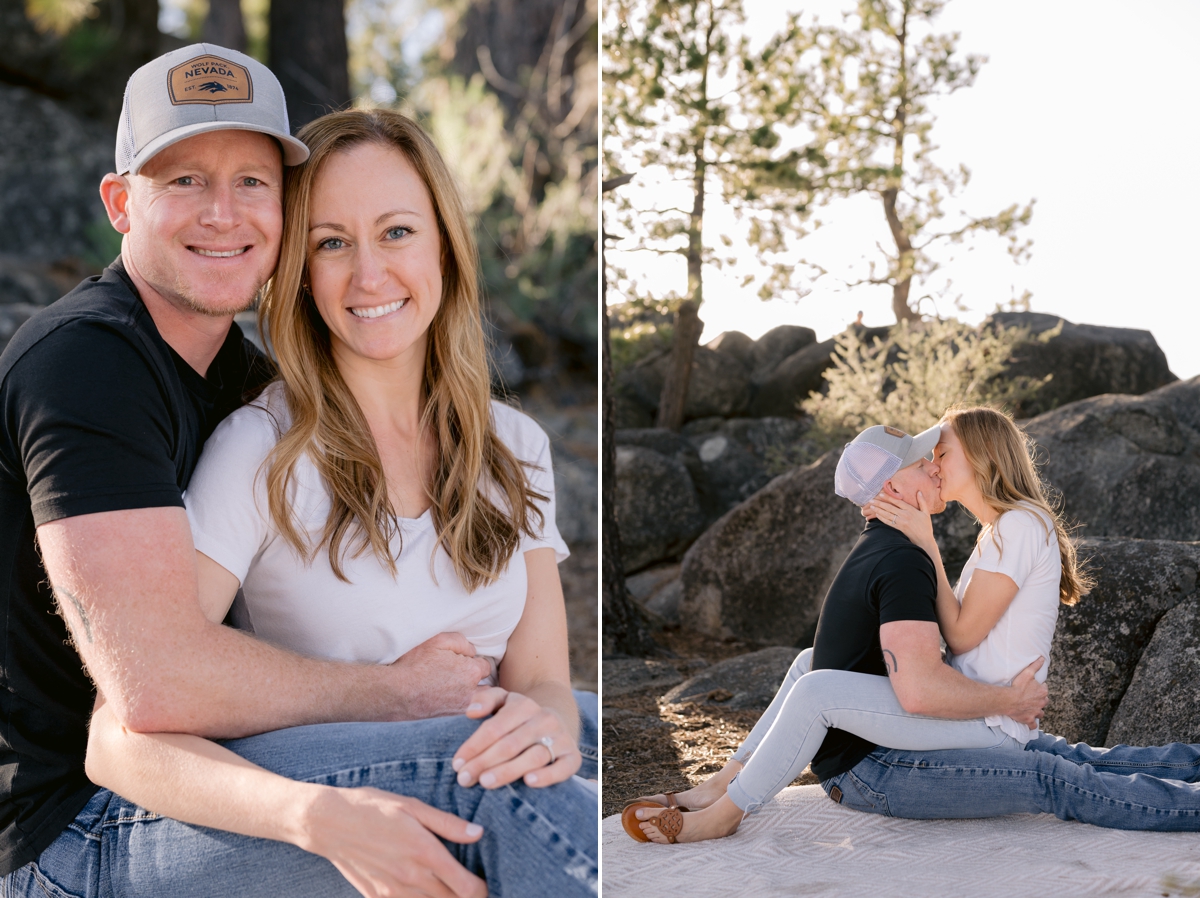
x,y
372,498
998,622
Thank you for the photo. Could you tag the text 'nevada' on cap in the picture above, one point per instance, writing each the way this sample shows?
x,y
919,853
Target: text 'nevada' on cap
x,y
872,457
199,88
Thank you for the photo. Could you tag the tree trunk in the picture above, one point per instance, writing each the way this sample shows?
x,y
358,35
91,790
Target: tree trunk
x,y
904,250
900,307
623,631
224,25
688,327
307,49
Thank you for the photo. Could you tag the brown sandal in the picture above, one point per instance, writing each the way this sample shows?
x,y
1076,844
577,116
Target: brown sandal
x,y
669,822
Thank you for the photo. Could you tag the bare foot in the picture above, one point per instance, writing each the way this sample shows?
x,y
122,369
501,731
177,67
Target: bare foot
x,y
707,793
715,822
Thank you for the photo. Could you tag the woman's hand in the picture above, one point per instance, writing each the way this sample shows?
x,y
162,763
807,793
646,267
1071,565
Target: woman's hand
x,y
522,740
387,844
915,523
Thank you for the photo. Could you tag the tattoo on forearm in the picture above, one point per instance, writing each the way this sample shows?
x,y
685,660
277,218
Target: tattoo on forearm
x,y
893,667
62,594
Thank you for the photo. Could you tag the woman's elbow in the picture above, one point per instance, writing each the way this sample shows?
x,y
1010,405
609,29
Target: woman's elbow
x,y
96,763
961,643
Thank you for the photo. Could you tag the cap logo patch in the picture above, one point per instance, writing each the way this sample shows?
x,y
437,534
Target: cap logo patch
x,y
211,80
893,432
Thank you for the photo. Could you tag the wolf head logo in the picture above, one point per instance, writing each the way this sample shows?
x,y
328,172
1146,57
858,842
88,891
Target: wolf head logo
x,y
212,87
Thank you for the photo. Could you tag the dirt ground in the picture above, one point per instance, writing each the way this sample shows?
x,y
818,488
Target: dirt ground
x,y
648,747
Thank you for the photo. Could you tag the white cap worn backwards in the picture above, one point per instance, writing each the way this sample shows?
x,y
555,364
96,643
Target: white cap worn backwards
x,y
199,88
872,457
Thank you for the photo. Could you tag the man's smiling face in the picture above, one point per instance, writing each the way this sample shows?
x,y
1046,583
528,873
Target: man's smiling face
x,y
204,219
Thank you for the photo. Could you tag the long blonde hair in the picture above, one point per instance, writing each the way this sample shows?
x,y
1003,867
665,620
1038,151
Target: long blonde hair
x,y
1001,457
480,535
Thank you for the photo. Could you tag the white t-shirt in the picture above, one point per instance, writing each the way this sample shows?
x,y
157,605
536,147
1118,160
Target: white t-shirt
x,y
373,618
1022,545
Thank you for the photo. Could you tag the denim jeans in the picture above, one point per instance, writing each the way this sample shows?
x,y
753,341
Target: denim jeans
x,y
809,702
536,842
1124,787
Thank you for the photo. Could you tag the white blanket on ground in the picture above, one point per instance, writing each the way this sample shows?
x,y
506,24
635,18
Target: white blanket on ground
x,y
803,844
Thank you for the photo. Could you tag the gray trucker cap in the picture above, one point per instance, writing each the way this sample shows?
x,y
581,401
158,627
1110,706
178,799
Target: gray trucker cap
x,y
199,88
872,457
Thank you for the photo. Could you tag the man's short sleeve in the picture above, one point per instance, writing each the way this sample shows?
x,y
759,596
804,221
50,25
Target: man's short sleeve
x,y
88,422
905,586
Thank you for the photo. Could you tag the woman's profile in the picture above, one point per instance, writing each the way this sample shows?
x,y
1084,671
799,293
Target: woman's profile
x,y
373,500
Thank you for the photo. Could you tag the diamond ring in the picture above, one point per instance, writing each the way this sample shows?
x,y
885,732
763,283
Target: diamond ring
x,y
549,743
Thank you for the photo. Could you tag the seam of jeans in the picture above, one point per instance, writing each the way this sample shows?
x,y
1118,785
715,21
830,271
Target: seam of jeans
x,y
145,817
48,888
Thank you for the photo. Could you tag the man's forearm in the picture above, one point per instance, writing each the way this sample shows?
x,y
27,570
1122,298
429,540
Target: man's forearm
x,y
945,692
229,684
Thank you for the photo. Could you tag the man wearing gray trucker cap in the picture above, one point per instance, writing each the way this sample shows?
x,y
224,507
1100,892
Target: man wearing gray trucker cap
x,y
108,396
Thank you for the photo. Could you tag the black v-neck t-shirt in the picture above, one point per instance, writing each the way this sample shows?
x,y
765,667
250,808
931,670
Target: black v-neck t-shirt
x,y
885,578
100,414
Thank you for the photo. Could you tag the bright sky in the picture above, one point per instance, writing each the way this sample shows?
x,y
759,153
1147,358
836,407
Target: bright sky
x,y
1090,107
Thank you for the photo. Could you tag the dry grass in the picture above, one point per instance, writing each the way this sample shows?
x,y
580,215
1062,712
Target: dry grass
x,y
649,747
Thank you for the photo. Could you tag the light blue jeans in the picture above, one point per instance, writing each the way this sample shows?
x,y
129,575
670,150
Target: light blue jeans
x,y
536,842
810,702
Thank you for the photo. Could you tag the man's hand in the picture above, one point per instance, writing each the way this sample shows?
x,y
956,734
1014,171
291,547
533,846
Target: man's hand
x,y
440,675
1029,696
387,845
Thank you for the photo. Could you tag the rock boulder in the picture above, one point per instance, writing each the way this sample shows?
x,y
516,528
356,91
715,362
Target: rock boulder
x,y
1127,465
1099,641
1085,359
792,380
51,164
1170,667
736,345
657,507
626,676
745,682
737,457
776,345
719,385
762,570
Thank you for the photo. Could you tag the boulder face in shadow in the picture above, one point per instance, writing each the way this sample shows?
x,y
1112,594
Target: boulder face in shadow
x,y
761,571
746,682
793,379
1170,666
1098,642
657,508
718,385
1127,465
1085,359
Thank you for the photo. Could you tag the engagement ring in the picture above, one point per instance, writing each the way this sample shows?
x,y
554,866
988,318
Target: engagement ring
x,y
549,743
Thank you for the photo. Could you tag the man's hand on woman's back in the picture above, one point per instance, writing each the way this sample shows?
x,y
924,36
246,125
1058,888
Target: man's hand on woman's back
x,y
1029,696
440,675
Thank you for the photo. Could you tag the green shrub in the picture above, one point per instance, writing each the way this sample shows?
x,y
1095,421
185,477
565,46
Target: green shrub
x,y
910,379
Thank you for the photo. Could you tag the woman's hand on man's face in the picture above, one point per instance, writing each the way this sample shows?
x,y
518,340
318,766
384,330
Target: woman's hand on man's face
x,y
509,745
915,523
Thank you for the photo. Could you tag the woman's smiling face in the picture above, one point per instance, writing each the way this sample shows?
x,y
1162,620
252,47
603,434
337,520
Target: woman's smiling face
x,y
374,254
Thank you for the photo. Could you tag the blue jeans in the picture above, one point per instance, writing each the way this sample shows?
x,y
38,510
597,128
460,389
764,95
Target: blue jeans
x,y
536,842
1125,787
